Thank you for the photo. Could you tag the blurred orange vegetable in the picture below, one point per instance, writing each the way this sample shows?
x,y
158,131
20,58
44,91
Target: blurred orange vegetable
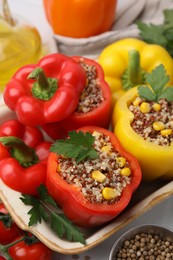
x,y
80,18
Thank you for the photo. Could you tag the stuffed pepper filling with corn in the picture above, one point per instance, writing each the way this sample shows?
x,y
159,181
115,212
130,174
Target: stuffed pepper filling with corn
x,y
153,111
91,176
153,120
101,180
143,123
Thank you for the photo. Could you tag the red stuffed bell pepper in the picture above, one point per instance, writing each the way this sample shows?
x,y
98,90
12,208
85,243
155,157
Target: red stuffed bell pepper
x,y
23,157
94,107
46,92
91,176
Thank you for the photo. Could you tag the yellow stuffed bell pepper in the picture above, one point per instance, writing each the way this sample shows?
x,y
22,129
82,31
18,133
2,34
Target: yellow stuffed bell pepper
x,y
143,122
123,71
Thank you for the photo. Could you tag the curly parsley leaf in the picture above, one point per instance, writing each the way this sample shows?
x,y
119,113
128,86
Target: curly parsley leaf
x,y
79,146
159,34
157,80
44,208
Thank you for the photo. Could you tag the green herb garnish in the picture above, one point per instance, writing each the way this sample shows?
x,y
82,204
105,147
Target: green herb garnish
x,y
157,80
44,208
6,219
159,34
79,146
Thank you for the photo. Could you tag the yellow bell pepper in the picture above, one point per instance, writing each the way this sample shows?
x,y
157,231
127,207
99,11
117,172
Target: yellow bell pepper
x,y
156,161
120,68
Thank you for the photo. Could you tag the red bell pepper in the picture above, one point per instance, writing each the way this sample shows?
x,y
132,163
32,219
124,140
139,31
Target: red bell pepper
x,y
8,229
45,92
23,159
74,204
98,116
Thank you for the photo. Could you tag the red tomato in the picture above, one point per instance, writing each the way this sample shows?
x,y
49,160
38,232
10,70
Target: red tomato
x,y
37,251
7,234
31,136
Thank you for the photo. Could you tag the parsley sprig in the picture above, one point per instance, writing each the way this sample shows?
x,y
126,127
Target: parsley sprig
x,y
79,146
157,80
159,34
44,208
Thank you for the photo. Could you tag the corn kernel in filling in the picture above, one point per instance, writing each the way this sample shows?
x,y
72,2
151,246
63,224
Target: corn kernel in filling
x,y
156,124
100,179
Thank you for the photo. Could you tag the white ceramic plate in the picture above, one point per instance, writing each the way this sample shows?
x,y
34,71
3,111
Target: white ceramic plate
x,y
146,197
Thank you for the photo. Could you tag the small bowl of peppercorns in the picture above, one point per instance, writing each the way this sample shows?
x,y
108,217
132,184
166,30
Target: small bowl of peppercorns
x,y
144,242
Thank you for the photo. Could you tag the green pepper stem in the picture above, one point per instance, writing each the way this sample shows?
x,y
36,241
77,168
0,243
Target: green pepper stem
x,y
134,69
43,88
39,75
133,75
24,154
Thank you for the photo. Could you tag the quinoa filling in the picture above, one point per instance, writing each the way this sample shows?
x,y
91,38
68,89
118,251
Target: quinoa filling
x,y
92,95
153,121
101,180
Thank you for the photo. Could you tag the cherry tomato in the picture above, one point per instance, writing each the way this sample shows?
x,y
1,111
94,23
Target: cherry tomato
x,y
23,251
32,136
7,234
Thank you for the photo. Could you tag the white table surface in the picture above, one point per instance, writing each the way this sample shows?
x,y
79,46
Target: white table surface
x,y
161,214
